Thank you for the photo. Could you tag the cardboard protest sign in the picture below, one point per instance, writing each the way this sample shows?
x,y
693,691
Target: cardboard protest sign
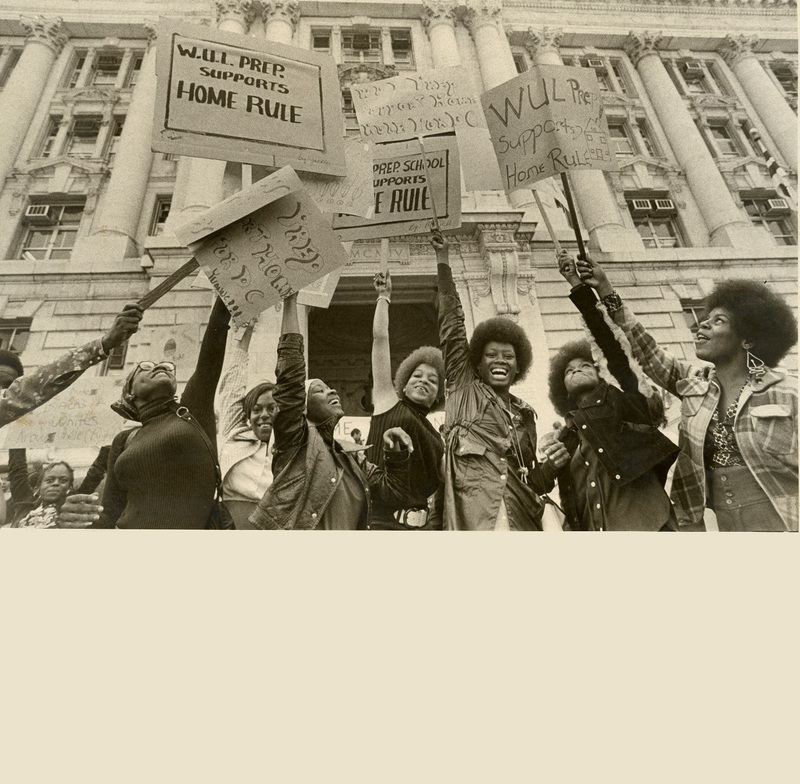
x,y
263,244
546,121
77,417
417,104
405,198
351,194
241,98
320,293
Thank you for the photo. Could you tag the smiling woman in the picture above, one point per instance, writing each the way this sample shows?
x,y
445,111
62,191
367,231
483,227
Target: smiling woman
x,y
738,432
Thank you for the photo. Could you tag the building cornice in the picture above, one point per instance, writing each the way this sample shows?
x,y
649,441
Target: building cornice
x,y
722,7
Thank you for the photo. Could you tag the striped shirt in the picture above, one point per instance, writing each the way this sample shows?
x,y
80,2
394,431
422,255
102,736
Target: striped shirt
x,y
765,426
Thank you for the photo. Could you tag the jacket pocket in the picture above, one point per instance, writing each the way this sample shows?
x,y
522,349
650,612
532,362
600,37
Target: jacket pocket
x,y
468,468
774,429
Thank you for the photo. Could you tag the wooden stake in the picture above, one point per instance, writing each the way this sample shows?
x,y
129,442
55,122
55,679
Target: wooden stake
x,y
169,283
247,175
573,215
546,220
430,187
384,254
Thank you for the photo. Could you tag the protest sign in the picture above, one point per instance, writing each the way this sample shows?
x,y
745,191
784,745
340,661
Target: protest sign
x,y
546,121
405,198
77,417
351,194
320,293
240,98
263,244
417,104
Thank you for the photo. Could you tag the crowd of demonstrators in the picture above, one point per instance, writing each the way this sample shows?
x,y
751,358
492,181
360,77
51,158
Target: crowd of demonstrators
x,y
318,482
280,466
619,459
738,429
492,478
405,402
245,428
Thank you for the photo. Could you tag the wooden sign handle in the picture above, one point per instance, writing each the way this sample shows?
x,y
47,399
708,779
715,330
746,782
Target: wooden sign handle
x,y
169,283
430,185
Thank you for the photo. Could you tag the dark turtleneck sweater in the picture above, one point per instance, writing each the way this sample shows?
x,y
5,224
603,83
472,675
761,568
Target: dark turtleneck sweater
x,y
164,476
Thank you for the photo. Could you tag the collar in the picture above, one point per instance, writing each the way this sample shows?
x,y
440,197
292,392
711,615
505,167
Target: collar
x,y
596,398
415,407
154,408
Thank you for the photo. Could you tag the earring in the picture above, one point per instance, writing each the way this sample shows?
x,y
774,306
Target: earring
x,y
755,366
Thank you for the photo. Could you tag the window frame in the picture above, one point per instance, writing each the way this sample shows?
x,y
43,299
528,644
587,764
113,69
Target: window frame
x,y
70,138
765,221
56,228
14,327
159,203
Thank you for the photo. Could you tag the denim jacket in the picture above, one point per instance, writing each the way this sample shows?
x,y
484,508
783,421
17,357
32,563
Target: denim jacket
x,y
306,474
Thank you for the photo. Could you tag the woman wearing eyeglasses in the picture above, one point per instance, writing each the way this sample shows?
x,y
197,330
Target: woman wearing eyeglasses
x,y
162,474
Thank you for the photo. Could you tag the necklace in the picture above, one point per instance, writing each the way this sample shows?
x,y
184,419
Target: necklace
x,y
516,446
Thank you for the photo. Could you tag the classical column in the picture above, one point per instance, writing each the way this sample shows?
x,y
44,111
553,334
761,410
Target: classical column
x,y
124,198
481,17
726,224
199,181
438,19
23,91
591,190
772,107
280,20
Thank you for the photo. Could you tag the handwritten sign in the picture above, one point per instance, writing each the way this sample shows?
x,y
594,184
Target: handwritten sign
x,y
320,293
405,197
78,417
419,104
240,98
546,121
351,194
263,244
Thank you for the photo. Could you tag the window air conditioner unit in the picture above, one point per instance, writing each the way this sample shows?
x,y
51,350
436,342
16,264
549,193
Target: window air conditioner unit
x,y
692,68
39,213
641,206
663,207
597,64
777,207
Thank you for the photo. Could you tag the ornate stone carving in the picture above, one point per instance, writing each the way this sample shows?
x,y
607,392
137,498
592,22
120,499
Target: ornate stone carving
x,y
238,10
438,12
287,10
360,73
151,31
736,47
49,32
477,13
639,45
499,249
537,41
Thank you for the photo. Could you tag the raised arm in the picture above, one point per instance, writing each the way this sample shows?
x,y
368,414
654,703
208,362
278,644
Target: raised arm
x,y
664,369
233,384
383,394
198,396
584,298
452,329
28,392
289,426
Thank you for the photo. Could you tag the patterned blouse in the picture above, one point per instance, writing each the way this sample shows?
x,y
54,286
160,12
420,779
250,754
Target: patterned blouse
x,y
721,449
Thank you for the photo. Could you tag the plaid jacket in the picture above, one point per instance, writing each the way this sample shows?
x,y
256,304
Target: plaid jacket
x,y
765,426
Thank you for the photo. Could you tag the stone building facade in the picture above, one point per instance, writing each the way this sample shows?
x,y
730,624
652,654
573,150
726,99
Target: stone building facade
x,y
86,208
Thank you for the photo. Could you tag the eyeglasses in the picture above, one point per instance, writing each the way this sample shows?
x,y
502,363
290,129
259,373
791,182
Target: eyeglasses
x,y
147,365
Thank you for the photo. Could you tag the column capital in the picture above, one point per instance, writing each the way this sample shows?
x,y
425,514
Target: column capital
x,y
545,39
480,13
237,10
47,31
641,44
151,31
736,47
435,12
286,10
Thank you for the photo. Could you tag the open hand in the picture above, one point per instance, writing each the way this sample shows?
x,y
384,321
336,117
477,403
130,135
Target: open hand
x,y
395,438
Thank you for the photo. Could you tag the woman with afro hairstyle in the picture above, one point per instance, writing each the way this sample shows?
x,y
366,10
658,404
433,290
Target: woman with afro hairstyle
x,y
619,459
492,478
738,430
417,389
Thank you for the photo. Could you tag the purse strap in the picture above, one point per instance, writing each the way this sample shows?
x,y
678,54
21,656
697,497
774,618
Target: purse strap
x,y
186,416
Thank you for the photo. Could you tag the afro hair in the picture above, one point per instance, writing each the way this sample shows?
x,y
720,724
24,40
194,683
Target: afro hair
x,y
424,355
250,399
502,330
759,314
576,349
